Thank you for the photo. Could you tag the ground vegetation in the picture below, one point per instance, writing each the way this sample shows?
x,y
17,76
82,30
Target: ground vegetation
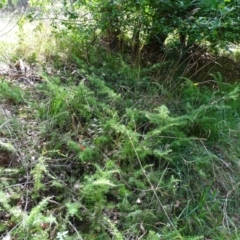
x,y
120,120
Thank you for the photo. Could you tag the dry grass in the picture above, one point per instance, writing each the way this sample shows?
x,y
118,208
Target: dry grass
x,y
8,35
20,39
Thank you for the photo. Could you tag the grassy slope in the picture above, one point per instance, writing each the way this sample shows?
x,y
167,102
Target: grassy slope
x,y
100,150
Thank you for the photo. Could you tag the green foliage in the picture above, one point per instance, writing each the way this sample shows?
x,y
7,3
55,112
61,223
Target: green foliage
x,y
38,174
11,93
116,152
29,224
155,153
114,231
3,3
130,25
95,187
7,147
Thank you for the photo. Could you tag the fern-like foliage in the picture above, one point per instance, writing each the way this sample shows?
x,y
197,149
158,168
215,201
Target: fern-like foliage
x,y
38,174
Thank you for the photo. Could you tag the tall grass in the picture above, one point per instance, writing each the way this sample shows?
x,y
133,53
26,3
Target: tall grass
x,y
107,150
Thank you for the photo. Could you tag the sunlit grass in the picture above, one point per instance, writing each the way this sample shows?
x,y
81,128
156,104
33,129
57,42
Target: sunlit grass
x,y
8,37
20,39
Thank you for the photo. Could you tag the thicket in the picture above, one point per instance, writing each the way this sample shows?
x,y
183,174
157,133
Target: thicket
x,y
116,144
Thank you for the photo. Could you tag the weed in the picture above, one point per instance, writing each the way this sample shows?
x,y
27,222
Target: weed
x,y
111,151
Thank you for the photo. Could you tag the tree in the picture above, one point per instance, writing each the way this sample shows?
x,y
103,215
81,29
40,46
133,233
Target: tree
x,y
138,23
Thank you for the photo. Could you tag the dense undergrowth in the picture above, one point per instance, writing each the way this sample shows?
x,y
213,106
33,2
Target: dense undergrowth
x,y
102,149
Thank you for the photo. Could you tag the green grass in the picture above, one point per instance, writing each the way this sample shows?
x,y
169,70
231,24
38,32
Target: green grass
x,y
105,150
